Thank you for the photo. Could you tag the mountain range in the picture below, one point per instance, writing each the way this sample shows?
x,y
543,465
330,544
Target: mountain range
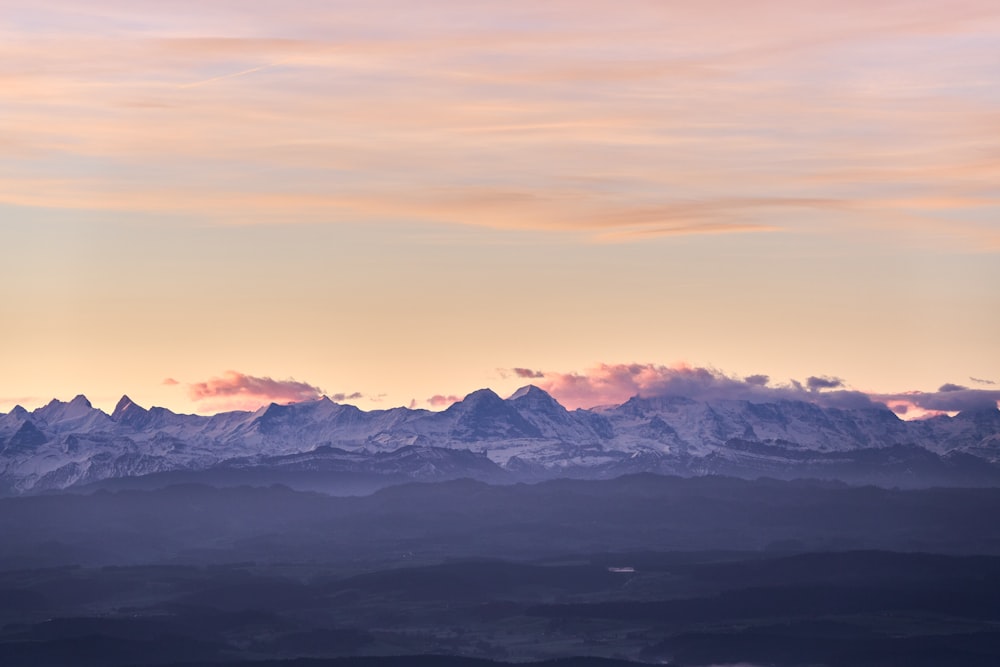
x,y
525,437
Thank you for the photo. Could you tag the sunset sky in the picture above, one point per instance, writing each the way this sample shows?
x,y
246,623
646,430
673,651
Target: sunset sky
x,y
214,204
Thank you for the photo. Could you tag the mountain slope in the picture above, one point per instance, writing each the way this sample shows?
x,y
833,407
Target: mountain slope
x,y
529,435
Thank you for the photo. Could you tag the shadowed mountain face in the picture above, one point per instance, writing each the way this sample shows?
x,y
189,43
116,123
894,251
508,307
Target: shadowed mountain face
x,y
528,436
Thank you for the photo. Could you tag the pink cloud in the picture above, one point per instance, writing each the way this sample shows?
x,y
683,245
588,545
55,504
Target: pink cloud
x,y
909,410
608,384
236,390
612,384
170,382
440,401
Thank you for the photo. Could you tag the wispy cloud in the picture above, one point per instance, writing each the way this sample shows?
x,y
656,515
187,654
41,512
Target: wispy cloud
x,y
579,118
223,77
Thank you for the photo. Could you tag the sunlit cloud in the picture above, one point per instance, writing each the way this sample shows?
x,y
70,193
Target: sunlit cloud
x,y
238,391
441,401
613,384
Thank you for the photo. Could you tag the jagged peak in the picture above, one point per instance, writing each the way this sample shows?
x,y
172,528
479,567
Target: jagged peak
x,y
81,401
126,405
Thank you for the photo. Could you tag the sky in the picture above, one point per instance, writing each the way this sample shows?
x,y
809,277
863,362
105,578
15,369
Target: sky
x,y
211,205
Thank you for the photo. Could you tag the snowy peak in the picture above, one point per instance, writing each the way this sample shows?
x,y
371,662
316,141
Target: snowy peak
x,y
482,415
523,391
125,405
272,417
534,403
80,402
57,410
129,412
477,400
553,420
531,393
53,407
77,415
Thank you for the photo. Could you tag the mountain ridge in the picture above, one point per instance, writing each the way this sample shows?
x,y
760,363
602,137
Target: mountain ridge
x,y
528,435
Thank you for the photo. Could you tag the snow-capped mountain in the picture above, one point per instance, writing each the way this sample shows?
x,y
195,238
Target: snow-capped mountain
x,y
526,436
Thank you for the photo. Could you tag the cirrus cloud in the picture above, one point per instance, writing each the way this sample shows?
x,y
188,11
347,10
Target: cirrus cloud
x,y
166,90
